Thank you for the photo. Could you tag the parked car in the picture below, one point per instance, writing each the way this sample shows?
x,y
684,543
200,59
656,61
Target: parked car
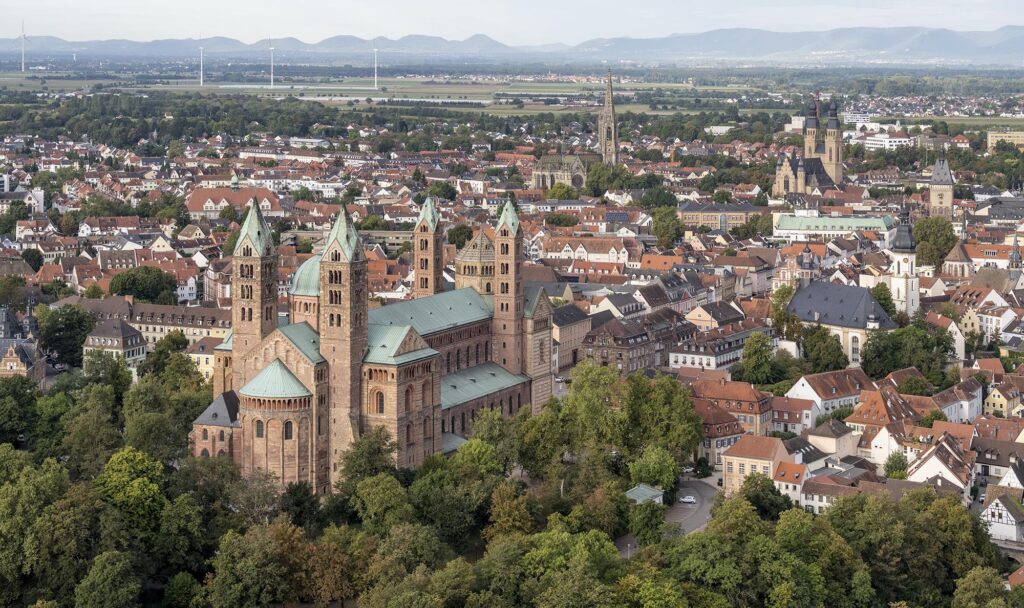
x,y
719,482
981,497
688,470
688,500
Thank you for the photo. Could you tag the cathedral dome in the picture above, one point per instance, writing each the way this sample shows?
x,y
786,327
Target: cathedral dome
x,y
306,281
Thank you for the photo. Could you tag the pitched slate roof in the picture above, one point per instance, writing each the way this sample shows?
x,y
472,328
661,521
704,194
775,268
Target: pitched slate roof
x,y
223,411
275,381
839,305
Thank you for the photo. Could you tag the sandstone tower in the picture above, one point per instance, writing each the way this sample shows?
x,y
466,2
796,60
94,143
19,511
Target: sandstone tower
x,y
427,251
608,128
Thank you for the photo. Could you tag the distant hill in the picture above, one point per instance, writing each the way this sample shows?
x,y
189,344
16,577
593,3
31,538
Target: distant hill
x,y
859,45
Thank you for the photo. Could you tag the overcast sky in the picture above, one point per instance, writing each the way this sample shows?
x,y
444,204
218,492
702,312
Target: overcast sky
x,y
508,21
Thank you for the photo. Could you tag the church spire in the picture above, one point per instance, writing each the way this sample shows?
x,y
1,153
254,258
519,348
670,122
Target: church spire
x,y
344,233
608,128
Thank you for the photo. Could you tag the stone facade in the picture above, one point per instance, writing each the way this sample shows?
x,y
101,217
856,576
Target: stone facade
x,y
421,369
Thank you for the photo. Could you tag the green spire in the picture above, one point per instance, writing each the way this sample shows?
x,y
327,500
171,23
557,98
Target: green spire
x,y
345,234
257,231
509,217
428,214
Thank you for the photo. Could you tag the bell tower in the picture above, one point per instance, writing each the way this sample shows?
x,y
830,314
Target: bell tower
x,y
343,332
253,290
833,156
427,252
507,324
608,128
811,131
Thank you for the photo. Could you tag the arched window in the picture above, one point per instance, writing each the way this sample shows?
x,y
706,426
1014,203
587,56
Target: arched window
x,y
259,429
408,399
220,436
205,435
426,396
380,403
288,430
205,453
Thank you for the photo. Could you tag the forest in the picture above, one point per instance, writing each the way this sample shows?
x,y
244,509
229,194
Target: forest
x,y
101,506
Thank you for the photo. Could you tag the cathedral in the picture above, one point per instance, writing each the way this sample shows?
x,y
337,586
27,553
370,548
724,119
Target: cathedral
x,y
821,166
292,395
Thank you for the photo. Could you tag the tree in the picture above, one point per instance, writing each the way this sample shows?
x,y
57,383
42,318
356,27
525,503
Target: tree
x,y
887,351
93,292
722,196
300,504
146,284
370,455
382,502
822,350
647,522
17,407
442,190
655,467
896,466
757,359
131,482
477,458
760,491
787,325
562,192
932,417
554,218
981,588
883,296
658,197
509,514
156,361
111,583
89,441
108,369
666,226
459,235
181,591
935,238
179,539
33,257
915,385
63,331
252,570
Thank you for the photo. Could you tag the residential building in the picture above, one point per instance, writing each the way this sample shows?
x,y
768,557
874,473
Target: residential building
x,y
751,455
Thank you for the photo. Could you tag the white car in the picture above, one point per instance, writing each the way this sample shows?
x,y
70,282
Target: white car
x,y
688,500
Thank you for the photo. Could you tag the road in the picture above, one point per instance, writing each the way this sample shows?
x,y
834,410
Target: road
x,y
690,518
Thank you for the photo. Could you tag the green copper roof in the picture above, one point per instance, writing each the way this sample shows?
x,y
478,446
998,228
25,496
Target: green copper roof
x,y
384,342
475,382
790,222
344,233
256,231
306,280
226,344
276,381
509,217
305,339
435,313
428,214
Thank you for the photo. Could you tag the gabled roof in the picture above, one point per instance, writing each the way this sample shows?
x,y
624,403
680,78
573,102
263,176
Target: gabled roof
x,y
275,381
385,342
475,382
838,305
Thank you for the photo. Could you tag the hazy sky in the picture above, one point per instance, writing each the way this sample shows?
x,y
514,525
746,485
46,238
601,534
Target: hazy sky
x,y
509,21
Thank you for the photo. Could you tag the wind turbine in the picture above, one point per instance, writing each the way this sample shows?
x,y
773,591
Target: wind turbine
x,y
375,70
200,65
271,65
23,45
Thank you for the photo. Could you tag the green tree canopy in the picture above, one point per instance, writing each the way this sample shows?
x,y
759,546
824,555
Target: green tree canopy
x,y
147,284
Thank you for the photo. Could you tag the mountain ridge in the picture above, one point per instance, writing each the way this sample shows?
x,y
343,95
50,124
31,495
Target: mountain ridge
x,y
1004,45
